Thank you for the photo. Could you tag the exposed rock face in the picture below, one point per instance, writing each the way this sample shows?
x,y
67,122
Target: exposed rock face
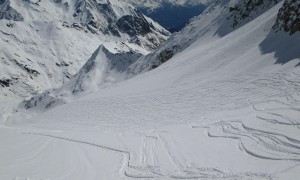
x,y
5,82
7,12
245,10
108,18
288,18
172,16
153,4
218,20
133,25
166,55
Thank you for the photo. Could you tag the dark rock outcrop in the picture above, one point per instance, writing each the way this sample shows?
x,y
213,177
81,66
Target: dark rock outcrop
x,y
5,82
133,25
7,12
245,10
288,18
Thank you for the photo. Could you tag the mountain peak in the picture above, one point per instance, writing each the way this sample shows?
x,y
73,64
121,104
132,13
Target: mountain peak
x,y
55,38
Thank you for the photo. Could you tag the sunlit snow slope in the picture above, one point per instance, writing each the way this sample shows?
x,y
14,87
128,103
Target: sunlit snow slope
x,y
224,107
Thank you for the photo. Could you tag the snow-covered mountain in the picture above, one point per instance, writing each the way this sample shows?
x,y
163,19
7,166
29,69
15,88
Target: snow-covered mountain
x,y
218,100
108,64
153,4
44,43
172,16
218,21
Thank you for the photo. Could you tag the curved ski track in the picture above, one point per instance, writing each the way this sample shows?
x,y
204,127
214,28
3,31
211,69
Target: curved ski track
x,y
260,113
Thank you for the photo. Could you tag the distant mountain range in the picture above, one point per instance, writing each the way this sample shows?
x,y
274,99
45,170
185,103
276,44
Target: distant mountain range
x,y
44,43
173,16
93,89
154,4
112,63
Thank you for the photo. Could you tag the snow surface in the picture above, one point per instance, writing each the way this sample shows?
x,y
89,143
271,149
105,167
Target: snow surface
x,y
221,108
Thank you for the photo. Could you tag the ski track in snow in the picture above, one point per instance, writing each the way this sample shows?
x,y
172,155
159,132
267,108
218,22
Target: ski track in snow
x,y
265,127
150,172
192,120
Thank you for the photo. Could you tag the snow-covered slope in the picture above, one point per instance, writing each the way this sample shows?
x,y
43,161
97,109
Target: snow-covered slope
x,y
108,64
44,43
218,20
221,108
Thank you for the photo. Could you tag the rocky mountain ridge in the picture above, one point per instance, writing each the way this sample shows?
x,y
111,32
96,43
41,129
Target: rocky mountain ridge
x,y
153,4
44,43
207,27
222,18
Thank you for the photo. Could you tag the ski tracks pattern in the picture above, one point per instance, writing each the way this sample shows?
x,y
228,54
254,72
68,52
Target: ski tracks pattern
x,y
273,131
267,127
